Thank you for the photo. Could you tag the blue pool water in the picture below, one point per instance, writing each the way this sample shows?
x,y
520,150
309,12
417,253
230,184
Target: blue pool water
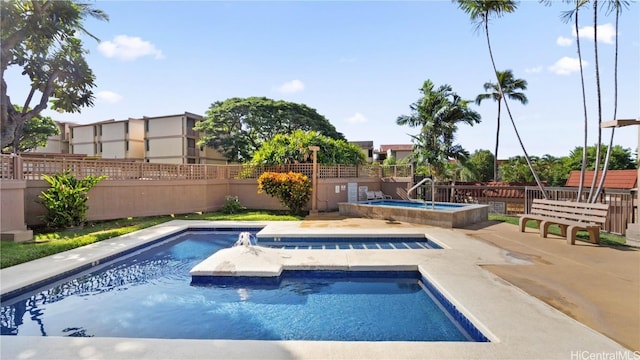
x,y
349,243
414,204
150,295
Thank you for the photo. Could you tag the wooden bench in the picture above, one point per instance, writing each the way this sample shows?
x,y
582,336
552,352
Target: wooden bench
x,y
570,216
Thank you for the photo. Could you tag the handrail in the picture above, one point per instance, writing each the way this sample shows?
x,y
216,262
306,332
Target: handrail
x,y
433,190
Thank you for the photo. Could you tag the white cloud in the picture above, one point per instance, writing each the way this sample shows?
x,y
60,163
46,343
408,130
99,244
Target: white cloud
x,y
606,33
567,65
533,70
564,41
357,118
128,48
291,87
108,97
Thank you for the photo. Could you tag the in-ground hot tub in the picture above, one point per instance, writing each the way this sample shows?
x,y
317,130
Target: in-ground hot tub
x,y
446,215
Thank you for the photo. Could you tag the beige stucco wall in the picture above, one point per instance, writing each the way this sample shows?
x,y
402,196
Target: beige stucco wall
x,y
111,199
165,126
12,205
82,141
165,147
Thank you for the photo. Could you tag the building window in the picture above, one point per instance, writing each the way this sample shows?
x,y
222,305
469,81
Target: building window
x,y
191,123
146,125
126,146
146,145
191,143
126,128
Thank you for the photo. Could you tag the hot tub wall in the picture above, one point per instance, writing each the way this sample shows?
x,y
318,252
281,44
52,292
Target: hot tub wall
x,y
465,216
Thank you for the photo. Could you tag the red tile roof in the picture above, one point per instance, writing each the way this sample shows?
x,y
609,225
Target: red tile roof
x,y
616,179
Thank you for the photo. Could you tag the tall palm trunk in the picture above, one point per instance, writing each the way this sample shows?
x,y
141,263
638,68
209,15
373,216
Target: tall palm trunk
x,y
615,104
596,168
584,107
495,153
506,106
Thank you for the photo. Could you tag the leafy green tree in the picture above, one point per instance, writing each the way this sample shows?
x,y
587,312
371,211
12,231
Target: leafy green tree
x,y
294,148
552,170
480,11
237,127
517,169
438,114
620,158
479,166
510,87
41,38
35,134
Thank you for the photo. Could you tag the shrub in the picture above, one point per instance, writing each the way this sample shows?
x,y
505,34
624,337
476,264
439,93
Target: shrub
x,y
232,205
293,190
66,199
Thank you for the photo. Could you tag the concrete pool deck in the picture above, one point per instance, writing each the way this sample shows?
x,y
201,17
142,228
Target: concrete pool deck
x,y
519,325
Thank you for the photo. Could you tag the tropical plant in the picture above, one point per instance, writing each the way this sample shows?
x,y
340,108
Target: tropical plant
x,y
293,190
237,127
232,205
294,148
510,87
480,11
620,158
35,134
438,114
41,37
66,199
479,167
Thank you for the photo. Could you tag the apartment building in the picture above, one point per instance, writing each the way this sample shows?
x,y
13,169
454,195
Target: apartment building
x,y
367,148
110,139
171,139
58,144
396,151
159,139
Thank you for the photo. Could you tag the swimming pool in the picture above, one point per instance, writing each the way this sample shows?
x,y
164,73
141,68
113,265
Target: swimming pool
x,y
447,215
149,295
348,243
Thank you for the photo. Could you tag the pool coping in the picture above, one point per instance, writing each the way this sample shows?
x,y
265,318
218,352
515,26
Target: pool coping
x,y
518,325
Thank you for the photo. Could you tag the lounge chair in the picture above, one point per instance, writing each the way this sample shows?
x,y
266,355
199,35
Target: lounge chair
x,y
381,195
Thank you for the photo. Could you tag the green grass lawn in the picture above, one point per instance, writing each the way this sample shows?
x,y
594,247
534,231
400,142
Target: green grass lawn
x,y
605,238
49,243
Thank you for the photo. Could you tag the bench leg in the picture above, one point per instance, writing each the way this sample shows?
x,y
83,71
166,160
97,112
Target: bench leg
x,y
594,235
572,231
544,228
563,230
522,223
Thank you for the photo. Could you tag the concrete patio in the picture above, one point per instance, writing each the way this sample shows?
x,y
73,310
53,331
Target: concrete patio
x,y
488,271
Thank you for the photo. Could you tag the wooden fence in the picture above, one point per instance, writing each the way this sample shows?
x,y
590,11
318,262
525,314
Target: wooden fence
x,y
33,169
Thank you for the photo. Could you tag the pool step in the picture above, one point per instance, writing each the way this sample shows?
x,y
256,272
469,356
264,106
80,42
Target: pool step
x,y
404,245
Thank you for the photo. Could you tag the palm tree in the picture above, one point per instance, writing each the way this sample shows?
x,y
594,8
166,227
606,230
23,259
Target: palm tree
x,y
438,114
612,5
566,17
480,11
510,87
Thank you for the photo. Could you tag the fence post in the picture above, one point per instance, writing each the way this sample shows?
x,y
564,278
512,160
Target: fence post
x,y
18,171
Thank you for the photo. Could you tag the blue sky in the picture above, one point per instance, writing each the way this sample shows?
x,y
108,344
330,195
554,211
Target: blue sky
x,y
360,64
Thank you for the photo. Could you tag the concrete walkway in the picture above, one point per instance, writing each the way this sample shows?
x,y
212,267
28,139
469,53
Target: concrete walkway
x,y
596,285
599,286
